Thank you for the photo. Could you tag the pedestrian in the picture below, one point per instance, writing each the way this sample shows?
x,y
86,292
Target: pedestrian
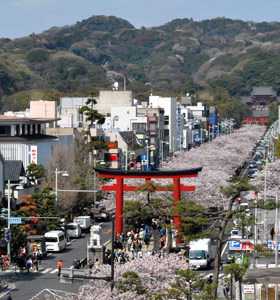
x,y
210,280
162,232
59,266
147,239
137,246
96,265
9,296
2,262
34,263
141,234
28,264
129,242
272,232
226,288
90,264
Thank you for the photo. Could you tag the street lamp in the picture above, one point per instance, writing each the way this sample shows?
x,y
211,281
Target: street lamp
x,y
18,187
149,148
94,175
64,174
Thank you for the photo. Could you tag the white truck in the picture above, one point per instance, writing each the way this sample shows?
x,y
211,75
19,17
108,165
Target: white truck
x,y
200,253
84,221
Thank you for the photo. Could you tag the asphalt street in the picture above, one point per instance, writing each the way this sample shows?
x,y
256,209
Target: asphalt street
x,y
25,286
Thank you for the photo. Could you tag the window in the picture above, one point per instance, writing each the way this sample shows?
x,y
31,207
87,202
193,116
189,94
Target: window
x,y
80,116
116,118
61,238
5,130
166,120
153,126
107,157
51,239
137,126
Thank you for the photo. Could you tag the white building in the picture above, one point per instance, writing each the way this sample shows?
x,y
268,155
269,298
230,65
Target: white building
x,y
70,106
169,105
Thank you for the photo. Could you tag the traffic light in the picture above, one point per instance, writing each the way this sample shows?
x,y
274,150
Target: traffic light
x,y
33,222
4,213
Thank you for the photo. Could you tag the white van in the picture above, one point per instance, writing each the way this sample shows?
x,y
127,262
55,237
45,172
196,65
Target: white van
x,y
74,230
55,240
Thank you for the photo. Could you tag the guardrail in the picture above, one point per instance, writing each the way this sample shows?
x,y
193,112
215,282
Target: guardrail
x,y
71,276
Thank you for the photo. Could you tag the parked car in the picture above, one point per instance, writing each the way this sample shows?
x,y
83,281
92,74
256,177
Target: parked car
x,y
252,164
231,254
236,234
251,173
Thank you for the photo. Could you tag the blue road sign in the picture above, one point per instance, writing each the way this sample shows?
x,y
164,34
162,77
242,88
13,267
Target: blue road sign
x,y
144,157
234,245
8,239
15,220
272,245
197,136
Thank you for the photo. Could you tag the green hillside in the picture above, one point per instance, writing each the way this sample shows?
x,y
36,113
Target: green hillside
x,y
219,59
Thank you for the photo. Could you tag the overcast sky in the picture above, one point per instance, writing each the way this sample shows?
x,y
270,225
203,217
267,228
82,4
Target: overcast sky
x,y
19,18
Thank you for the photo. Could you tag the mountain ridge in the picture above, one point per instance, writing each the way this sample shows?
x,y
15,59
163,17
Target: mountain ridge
x,y
216,54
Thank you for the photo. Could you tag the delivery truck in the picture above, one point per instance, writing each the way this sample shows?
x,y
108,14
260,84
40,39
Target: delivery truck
x,y
200,253
84,221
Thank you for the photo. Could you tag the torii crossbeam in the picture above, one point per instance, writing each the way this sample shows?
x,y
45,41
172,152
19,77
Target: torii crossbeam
x,y
120,187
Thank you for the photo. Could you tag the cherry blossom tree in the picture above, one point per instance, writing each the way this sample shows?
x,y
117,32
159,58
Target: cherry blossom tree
x,y
156,275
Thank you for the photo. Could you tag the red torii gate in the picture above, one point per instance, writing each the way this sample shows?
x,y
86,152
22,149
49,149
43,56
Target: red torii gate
x,y
255,120
120,187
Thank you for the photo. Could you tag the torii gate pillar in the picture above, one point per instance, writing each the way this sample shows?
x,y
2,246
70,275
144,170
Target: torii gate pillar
x,y
119,205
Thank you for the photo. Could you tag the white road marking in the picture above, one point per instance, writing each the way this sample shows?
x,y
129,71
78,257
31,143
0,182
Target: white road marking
x,y
54,271
9,289
46,270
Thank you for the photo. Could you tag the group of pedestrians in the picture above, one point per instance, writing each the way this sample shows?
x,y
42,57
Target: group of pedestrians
x,y
25,261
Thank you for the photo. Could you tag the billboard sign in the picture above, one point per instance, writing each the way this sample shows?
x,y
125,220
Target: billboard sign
x,y
34,154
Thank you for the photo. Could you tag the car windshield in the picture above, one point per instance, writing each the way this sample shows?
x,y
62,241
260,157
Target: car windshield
x,y
235,232
197,254
51,239
71,227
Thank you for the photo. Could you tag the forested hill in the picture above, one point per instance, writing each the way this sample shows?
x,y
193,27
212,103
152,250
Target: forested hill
x,y
183,55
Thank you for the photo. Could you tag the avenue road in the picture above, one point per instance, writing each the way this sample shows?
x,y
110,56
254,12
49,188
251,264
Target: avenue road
x,y
25,286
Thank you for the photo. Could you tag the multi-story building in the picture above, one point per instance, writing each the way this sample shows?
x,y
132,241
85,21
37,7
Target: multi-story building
x,y
70,106
25,139
169,105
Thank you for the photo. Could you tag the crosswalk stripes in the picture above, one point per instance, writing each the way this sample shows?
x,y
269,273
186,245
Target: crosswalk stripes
x,y
45,270
54,271
41,270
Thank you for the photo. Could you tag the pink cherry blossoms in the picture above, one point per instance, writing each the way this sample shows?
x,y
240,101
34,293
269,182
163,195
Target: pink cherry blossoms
x,y
156,275
219,159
